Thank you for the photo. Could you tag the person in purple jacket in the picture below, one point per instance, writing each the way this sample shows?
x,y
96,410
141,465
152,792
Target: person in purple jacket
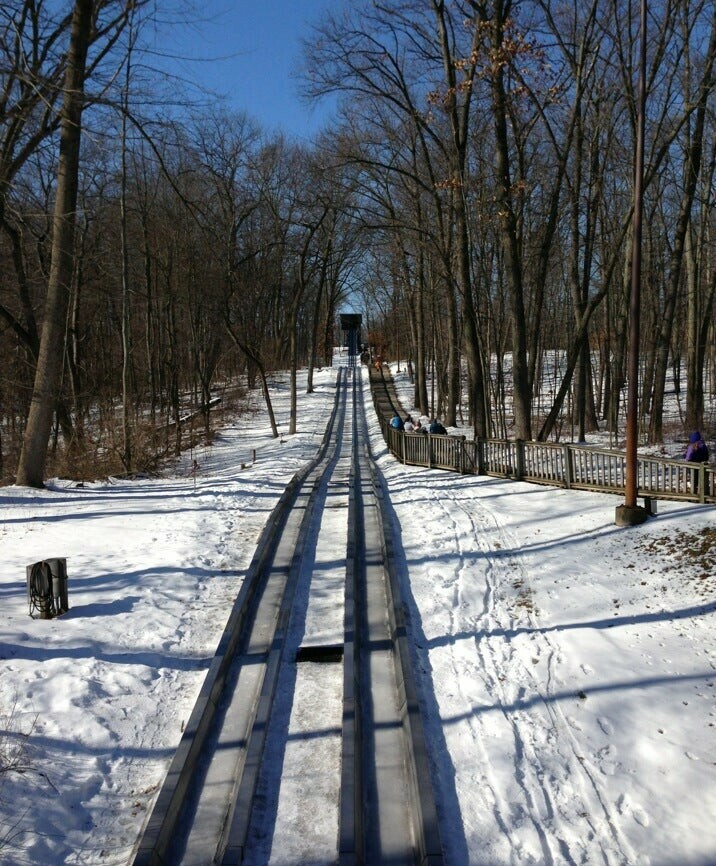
x,y
697,452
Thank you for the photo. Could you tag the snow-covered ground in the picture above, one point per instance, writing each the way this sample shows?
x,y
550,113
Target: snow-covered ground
x,y
569,666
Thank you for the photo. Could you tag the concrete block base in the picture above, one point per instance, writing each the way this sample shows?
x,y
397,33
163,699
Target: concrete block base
x,y
630,515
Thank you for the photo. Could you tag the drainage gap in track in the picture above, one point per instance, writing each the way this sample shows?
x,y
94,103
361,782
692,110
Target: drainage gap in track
x,y
324,653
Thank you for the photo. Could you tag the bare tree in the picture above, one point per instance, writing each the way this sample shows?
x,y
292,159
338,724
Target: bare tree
x,y
52,344
86,30
33,66
696,96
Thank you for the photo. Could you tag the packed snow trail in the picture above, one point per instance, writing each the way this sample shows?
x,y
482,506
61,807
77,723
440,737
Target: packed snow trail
x,y
503,670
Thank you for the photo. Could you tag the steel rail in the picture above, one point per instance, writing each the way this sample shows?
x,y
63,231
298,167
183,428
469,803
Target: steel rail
x,y
160,840
388,812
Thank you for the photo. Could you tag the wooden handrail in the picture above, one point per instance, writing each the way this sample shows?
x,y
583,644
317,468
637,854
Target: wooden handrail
x,y
578,467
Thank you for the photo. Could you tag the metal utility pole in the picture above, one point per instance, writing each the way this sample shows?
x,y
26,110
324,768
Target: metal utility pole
x,y
630,513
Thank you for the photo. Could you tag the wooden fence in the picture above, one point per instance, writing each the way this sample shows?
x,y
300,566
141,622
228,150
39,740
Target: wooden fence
x,y
578,467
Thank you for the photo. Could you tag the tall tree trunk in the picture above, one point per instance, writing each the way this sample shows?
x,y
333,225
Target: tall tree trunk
x,y
421,352
331,301
458,111
293,355
48,376
453,359
618,347
692,171
127,456
701,282
701,321
150,319
313,348
522,403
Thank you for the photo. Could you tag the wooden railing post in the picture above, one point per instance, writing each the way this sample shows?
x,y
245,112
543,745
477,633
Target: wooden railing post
x,y
459,458
568,466
519,459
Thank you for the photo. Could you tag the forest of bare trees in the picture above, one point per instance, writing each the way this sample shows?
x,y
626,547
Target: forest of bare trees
x,y
472,198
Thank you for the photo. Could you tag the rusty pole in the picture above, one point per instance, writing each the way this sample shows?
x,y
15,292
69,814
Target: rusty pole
x,y
633,513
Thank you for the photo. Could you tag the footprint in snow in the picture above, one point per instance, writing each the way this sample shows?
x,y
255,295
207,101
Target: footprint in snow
x,y
606,725
627,807
607,760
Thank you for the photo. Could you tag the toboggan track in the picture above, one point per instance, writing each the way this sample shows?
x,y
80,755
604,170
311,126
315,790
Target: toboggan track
x,y
387,813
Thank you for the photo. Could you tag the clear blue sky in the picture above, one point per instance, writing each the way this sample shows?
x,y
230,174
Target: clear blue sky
x,y
249,51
